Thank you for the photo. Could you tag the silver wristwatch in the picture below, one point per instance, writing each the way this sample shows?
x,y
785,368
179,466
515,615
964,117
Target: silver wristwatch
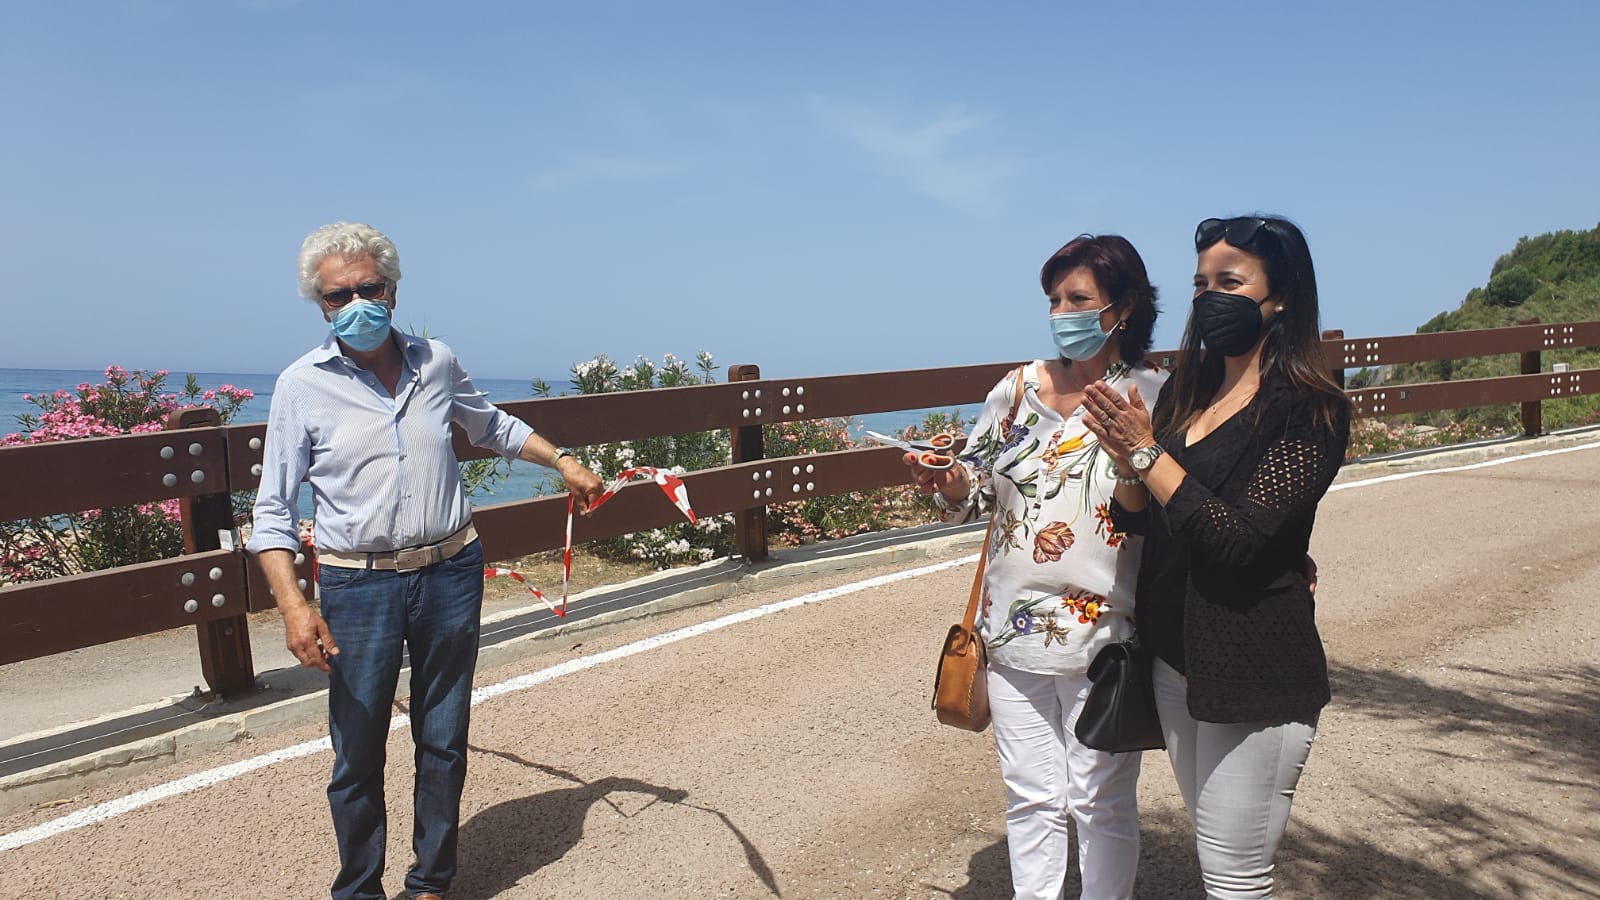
x,y
1145,457
560,452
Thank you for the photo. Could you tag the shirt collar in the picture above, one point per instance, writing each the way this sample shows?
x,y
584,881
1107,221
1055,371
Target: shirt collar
x,y
328,351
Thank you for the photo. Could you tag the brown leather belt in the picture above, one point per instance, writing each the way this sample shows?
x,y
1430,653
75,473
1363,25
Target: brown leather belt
x,y
407,560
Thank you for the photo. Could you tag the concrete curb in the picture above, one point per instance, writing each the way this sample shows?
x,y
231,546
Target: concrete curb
x,y
303,703
1445,457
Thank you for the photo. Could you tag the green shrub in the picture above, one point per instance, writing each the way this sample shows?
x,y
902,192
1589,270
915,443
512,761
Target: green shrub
x,y
841,515
1511,287
680,542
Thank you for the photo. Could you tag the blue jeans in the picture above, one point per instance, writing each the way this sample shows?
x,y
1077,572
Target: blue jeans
x,y
374,614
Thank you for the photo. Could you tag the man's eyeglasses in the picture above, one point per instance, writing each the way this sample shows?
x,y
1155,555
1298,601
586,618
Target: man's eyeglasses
x,y
1241,232
372,290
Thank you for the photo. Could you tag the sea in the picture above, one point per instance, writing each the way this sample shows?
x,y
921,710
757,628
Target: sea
x,y
521,483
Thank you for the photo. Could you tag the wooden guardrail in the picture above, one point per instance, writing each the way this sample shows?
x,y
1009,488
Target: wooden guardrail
x,y
1529,340
215,584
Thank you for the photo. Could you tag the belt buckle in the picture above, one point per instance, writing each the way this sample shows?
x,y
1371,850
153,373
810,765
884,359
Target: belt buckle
x,y
416,558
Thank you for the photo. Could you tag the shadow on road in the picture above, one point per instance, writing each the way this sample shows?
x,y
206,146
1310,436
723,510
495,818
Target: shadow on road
x,y
509,841
1414,840
1167,867
1475,858
1546,714
1457,843
1540,722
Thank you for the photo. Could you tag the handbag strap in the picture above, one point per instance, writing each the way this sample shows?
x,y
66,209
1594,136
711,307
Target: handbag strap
x,y
983,557
977,581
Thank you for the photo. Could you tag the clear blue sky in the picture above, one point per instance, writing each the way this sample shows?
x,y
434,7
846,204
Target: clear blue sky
x,y
815,187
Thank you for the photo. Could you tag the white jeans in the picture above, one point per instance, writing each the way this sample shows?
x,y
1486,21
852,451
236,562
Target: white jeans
x,y
1049,774
1238,781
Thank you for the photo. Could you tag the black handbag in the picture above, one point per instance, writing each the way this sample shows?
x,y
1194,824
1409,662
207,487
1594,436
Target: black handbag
x,y
1119,715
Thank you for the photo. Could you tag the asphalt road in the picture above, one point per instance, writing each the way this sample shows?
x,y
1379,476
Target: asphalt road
x,y
793,754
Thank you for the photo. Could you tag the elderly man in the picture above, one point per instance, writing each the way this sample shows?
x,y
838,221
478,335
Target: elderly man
x,y
365,418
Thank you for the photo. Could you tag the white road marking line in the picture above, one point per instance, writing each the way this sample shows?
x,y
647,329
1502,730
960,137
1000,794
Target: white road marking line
x,y
1402,476
114,808
111,809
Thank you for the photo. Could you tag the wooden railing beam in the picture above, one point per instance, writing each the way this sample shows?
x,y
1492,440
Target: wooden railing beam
x,y
213,588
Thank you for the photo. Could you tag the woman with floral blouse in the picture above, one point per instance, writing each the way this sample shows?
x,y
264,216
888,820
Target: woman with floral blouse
x,y
1060,580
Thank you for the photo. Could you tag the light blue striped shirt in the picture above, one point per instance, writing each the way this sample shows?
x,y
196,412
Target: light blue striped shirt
x,y
382,472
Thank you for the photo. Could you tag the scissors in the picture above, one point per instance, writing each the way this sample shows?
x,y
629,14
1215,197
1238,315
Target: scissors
x,y
931,453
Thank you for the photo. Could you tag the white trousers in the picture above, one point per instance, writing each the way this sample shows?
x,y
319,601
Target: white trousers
x,y
1049,775
1238,781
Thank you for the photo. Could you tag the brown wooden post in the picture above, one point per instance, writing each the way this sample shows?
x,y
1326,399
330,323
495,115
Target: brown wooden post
x,y
225,660
1335,361
1532,410
750,524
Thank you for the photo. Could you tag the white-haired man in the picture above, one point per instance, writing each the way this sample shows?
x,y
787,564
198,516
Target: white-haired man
x,y
365,419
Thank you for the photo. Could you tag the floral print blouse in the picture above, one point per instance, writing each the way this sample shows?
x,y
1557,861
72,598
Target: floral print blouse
x,y
1060,581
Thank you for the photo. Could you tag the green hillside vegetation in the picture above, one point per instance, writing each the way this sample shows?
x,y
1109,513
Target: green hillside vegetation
x,y
1554,277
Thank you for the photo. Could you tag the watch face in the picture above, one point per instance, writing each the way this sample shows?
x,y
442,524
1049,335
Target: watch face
x,y
1141,458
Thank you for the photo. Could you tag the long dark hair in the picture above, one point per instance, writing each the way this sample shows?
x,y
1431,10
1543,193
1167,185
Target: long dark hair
x,y
1293,347
1120,273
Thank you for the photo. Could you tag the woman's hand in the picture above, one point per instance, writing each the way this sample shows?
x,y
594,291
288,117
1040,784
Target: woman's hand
x,y
951,483
1121,424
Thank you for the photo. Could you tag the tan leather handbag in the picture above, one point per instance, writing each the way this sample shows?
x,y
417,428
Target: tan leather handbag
x,y
960,685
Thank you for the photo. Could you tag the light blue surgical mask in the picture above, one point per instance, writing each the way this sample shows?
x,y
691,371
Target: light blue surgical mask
x,y
363,325
1078,335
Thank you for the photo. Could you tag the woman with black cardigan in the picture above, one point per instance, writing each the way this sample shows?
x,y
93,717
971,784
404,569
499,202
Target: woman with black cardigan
x,y
1244,440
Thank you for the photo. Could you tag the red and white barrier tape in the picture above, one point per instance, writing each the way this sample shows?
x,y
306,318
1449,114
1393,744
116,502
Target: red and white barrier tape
x,y
671,485
491,572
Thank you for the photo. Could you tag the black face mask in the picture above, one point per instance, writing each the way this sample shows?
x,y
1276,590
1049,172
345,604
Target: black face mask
x,y
1229,324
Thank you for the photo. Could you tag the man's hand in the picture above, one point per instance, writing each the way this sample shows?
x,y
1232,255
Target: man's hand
x,y
307,635
304,631
583,484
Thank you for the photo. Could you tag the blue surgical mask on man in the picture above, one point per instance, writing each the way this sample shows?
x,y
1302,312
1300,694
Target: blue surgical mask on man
x,y
363,325
1077,334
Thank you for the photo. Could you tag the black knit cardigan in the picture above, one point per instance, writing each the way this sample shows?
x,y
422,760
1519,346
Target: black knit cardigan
x,y
1223,593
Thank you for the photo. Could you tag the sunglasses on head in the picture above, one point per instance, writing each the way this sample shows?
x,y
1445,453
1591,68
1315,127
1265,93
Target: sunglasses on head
x,y
1241,232
372,290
